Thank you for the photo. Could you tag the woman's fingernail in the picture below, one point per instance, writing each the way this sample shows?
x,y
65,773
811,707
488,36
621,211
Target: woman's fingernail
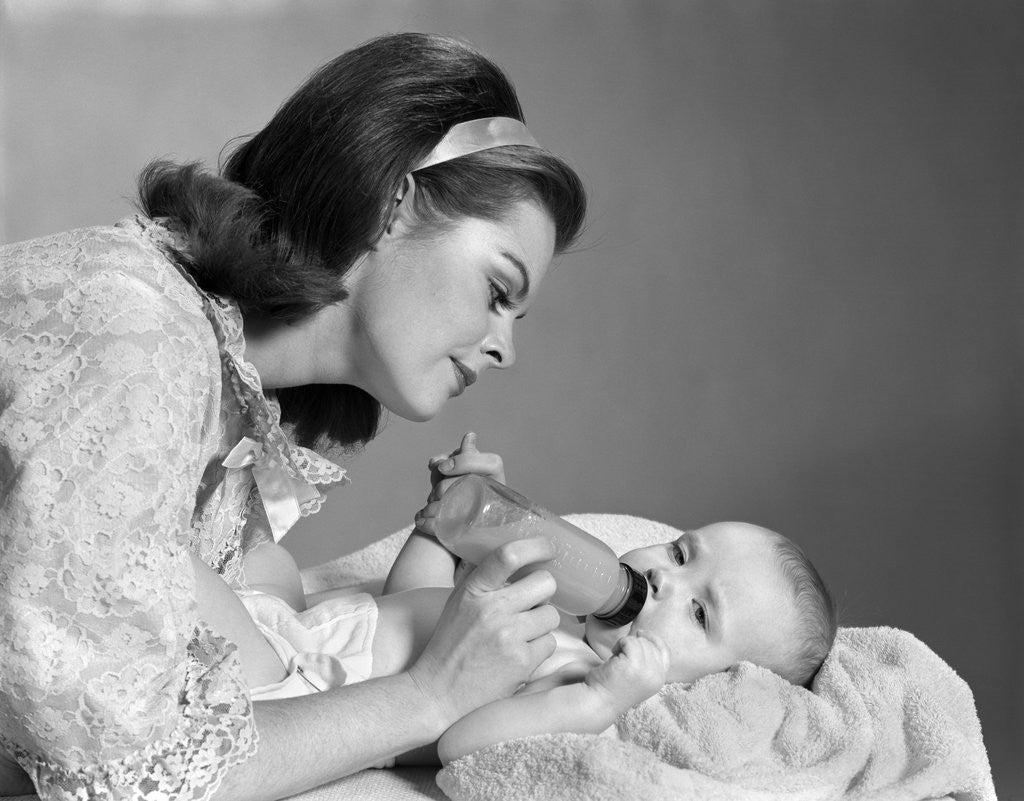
x,y
446,465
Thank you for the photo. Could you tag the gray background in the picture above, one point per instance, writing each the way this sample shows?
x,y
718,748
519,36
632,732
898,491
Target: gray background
x,y
798,301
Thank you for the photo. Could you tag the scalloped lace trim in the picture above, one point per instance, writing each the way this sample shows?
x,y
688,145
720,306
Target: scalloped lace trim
x,y
263,411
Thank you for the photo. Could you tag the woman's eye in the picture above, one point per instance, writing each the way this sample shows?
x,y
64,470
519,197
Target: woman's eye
x,y
700,615
678,555
500,297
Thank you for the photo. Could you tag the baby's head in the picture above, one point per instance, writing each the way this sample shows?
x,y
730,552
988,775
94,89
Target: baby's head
x,y
726,593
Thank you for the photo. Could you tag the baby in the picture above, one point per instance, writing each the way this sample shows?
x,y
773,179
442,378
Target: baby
x,y
718,595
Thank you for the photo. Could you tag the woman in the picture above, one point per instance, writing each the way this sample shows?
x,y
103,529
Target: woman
x,y
371,247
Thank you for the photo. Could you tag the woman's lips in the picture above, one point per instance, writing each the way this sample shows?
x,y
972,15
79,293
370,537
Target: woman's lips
x,y
464,376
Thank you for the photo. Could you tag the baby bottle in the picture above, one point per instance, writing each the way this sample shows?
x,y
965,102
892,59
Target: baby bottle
x,y
477,515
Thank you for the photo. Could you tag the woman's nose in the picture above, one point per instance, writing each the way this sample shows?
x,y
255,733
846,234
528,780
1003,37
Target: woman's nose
x,y
499,347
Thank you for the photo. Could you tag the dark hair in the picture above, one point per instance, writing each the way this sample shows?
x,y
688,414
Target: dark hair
x,y
302,199
815,609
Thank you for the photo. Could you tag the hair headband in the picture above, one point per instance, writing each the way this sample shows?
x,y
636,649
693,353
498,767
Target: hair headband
x,y
476,135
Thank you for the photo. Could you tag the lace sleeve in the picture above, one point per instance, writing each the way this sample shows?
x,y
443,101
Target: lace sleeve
x,y
109,688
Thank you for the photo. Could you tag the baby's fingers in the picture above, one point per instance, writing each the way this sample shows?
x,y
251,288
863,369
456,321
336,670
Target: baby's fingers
x,y
481,464
464,460
468,445
649,636
644,644
426,517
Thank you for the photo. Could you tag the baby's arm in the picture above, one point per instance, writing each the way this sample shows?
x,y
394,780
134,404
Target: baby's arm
x,y
222,610
577,698
423,561
270,568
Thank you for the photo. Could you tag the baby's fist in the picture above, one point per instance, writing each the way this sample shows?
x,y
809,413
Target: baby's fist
x,y
636,670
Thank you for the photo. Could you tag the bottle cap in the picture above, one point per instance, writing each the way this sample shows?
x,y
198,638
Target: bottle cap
x,y
633,603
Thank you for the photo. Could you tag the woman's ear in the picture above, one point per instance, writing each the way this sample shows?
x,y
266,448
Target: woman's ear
x,y
403,209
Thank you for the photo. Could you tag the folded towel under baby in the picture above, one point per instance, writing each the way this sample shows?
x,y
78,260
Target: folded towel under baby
x,y
886,719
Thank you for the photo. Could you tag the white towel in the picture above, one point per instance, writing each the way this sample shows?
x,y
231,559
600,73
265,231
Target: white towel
x,y
886,719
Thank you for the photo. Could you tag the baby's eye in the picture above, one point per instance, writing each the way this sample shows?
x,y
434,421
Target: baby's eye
x,y
677,554
700,615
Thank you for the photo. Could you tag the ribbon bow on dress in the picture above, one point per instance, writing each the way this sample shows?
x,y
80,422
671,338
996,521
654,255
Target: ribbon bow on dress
x,y
284,494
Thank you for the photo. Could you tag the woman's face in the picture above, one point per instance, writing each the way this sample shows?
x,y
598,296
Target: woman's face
x,y
430,312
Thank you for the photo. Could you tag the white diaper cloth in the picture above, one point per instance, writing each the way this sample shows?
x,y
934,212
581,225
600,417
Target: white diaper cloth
x,y
328,645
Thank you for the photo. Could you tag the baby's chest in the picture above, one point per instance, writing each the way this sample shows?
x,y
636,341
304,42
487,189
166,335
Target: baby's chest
x,y
570,650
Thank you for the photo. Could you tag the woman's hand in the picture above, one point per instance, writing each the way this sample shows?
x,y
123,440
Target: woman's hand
x,y
445,468
636,670
492,634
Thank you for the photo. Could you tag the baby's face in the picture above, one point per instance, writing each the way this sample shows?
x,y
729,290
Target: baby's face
x,y
716,596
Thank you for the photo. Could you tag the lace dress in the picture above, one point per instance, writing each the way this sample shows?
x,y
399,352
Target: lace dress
x,y
123,389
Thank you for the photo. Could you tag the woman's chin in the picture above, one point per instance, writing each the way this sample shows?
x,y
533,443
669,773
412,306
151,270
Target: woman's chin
x,y
416,417
415,412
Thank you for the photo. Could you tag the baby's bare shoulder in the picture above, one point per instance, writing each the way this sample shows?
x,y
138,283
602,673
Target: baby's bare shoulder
x,y
572,660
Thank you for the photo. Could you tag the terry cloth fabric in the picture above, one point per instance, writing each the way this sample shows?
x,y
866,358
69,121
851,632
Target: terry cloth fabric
x,y
885,720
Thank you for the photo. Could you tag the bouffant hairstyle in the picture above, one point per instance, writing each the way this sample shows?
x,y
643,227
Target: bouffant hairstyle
x,y
297,204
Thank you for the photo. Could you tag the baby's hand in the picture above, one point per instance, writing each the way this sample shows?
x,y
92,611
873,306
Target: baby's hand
x,y
445,468
637,669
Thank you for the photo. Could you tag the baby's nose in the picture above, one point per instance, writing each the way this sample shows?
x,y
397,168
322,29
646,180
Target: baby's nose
x,y
656,579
